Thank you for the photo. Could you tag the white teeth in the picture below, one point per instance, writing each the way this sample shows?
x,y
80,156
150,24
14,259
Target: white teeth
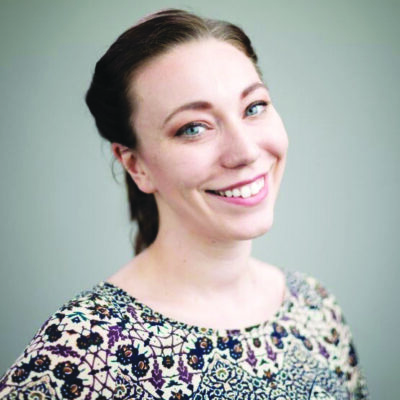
x,y
246,190
236,192
255,188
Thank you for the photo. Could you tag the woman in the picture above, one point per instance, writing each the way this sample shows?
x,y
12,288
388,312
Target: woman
x,y
192,315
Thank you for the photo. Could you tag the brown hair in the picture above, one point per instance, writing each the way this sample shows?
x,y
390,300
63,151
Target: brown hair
x,y
107,95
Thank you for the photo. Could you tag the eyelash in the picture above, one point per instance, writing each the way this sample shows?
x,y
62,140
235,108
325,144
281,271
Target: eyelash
x,y
181,131
257,103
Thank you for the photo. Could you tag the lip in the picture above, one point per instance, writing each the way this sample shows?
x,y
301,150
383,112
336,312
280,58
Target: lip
x,y
242,183
249,201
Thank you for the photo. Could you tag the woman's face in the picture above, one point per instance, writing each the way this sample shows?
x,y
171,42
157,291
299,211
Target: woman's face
x,y
211,146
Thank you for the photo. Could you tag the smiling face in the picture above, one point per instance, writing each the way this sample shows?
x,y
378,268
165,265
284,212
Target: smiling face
x,y
211,146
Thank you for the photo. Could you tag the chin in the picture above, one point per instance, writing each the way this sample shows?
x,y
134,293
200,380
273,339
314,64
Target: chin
x,y
255,230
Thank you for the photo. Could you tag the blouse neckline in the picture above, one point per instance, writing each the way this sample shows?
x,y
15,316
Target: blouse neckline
x,y
154,317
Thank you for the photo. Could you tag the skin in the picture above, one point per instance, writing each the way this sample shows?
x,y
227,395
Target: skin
x,y
209,278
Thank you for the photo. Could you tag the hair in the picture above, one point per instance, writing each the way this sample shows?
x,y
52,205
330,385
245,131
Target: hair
x,y
107,97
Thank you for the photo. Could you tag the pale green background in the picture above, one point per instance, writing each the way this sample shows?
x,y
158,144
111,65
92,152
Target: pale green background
x,y
332,67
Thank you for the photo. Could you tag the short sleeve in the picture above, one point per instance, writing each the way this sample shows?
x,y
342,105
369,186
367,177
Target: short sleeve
x,y
337,335
67,358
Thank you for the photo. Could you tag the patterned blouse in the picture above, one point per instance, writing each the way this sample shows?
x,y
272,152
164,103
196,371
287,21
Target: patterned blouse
x,y
104,344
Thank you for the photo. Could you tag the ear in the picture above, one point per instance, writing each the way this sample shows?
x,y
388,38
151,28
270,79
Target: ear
x,y
134,165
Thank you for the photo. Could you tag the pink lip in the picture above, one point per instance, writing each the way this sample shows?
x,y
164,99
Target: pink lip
x,y
242,183
249,201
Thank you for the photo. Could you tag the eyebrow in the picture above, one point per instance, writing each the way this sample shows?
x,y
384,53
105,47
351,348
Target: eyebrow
x,y
205,105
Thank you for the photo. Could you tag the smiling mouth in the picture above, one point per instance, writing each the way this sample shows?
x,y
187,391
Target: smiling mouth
x,y
245,191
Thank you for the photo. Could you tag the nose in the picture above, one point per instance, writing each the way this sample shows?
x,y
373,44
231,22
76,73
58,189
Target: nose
x,y
239,146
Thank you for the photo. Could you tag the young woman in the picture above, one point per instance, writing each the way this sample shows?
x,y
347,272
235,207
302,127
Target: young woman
x,y
192,316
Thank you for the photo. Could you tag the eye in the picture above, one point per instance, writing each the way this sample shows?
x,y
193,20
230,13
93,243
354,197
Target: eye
x,y
256,108
192,129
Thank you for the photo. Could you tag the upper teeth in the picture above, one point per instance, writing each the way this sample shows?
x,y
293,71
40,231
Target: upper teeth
x,y
244,191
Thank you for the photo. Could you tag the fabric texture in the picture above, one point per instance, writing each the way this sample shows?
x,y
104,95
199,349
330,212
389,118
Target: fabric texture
x,y
104,344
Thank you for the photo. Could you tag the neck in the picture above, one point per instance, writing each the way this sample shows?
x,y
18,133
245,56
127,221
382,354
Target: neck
x,y
188,264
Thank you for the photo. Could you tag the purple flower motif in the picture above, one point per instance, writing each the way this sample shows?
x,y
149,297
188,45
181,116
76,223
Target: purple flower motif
x,y
131,311
323,351
184,374
114,335
3,384
251,358
156,376
64,351
233,332
270,353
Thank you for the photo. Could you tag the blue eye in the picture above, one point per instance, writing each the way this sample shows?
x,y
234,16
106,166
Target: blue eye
x,y
256,108
192,129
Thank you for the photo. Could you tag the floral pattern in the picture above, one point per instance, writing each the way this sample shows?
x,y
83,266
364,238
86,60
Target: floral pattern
x,y
104,344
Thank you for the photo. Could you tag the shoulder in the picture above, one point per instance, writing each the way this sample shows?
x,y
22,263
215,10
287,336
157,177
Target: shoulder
x,y
315,302
67,357
310,290
323,319
299,286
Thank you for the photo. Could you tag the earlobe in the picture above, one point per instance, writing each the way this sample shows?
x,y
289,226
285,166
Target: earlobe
x,y
134,165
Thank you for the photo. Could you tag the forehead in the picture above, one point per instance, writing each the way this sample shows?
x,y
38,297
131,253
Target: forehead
x,y
205,69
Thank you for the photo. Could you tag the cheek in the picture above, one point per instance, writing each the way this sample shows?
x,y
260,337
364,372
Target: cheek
x,y
278,140
282,142
178,168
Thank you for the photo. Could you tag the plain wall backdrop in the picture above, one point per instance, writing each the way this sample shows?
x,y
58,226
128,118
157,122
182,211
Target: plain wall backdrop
x,y
332,68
